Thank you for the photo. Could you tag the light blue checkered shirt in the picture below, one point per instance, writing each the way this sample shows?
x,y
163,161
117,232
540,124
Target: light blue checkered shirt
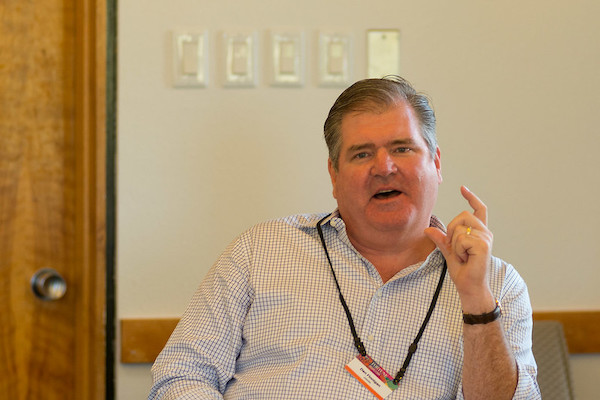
x,y
267,323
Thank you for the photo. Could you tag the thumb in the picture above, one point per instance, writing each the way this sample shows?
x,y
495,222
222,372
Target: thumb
x,y
439,238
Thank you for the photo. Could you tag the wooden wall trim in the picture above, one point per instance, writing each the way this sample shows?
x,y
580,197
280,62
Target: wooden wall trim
x,y
143,339
582,328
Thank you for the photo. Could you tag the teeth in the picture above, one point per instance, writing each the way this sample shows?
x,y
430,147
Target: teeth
x,y
386,191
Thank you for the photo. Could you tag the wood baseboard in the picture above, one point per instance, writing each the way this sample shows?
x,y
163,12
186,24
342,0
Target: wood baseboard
x,y
582,328
143,339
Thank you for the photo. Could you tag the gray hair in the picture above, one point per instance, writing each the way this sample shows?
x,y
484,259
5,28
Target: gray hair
x,y
374,96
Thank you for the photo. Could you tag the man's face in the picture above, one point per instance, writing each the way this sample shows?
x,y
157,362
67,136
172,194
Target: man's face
x,y
386,178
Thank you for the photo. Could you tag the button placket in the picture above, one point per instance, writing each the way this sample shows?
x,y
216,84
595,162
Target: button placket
x,y
371,322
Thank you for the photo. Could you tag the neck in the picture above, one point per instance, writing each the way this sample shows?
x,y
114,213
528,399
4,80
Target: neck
x,y
391,252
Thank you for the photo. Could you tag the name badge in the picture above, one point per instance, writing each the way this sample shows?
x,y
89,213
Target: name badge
x,y
372,376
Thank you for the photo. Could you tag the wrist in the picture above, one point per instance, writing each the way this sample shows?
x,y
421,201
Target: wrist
x,y
480,303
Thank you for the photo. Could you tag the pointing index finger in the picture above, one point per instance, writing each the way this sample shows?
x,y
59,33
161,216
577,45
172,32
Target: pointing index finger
x,y
479,208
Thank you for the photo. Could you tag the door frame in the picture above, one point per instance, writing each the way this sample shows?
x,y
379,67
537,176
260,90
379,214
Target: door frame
x,y
111,145
95,88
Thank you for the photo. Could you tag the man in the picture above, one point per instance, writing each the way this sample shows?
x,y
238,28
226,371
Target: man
x,y
355,304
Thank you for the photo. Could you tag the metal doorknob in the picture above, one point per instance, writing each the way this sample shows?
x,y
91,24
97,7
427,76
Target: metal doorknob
x,y
47,284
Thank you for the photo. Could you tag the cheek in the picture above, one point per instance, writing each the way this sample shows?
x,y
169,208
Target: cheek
x,y
427,173
345,186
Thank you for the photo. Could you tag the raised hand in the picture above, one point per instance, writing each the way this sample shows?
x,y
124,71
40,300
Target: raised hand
x,y
467,247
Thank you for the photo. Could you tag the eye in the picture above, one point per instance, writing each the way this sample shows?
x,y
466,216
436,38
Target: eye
x,y
361,155
402,149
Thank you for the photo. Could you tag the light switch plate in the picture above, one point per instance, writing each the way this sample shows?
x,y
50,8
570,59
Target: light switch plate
x,y
383,52
287,58
240,49
190,58
335,55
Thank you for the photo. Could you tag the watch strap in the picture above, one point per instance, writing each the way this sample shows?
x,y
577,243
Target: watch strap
x,y
475,319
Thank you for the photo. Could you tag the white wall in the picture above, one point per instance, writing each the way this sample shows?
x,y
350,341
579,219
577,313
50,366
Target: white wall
x,y
516,90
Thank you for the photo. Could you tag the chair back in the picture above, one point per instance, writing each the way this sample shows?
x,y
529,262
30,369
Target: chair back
x,y
552,357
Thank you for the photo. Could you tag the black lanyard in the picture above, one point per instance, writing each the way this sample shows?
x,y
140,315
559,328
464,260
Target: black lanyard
x,y
357,342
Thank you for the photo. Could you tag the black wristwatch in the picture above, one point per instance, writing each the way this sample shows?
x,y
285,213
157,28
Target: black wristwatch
x,y
475,319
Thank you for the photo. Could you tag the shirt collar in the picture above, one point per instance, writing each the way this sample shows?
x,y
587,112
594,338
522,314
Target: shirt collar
x,y
336,221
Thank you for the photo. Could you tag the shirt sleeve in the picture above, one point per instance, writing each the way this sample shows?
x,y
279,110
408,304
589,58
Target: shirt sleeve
x,y
517,323
199,358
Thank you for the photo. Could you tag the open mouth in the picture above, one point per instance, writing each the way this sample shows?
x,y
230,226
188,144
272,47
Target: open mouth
x,y
386,194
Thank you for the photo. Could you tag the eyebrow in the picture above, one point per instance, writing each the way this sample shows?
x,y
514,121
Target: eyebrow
x,y
369,146
359,147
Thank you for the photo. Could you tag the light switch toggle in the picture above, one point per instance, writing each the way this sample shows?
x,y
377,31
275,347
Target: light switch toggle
x,y
240,59
189,56
240,55
335,50
287,58
190,59
335,58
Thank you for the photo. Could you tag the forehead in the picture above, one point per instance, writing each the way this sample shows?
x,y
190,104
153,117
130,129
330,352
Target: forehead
x,y
395,122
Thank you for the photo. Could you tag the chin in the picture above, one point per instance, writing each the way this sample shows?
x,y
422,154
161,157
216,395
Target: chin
x,y
390,222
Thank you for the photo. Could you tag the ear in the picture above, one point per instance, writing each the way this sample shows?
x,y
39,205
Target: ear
x,y
438,164
332,175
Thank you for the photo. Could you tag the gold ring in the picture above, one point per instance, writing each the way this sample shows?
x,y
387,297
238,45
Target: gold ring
x,y
468,230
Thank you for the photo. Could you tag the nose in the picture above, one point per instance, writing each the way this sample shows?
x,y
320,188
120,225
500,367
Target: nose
x,y
383,164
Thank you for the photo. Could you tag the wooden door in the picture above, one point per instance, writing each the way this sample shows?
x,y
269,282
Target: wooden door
x,y
52,190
